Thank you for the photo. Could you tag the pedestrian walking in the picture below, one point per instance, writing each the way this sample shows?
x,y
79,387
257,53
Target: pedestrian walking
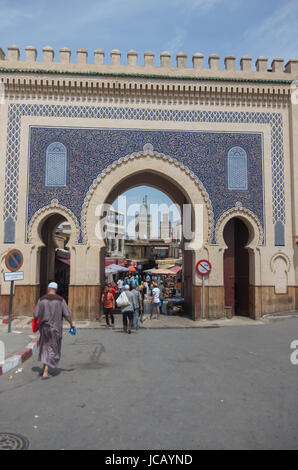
x,y
128,310
138,307
146,288
120,285
50,311
141,290
108,301
112,288
162,293
155,304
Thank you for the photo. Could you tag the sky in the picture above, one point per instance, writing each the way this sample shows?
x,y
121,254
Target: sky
x,y
158,203
239,27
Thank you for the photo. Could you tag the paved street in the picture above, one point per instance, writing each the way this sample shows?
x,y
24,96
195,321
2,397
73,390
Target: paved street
x,y
182,388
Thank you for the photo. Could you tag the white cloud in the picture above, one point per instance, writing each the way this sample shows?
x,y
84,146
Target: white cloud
x,y
198,6
14,13
277,34
103,10
176,43
189,7
203,4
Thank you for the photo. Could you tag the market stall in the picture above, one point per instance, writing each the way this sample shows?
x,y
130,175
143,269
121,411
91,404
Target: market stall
x,y
113,270
173,306
172,303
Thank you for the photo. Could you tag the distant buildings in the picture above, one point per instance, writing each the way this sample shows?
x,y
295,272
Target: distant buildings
x,y
145,230
143,247
115,234
166,228
143,222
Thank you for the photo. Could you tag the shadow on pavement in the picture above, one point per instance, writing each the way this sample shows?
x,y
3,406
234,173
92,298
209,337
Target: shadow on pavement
x,y
52,372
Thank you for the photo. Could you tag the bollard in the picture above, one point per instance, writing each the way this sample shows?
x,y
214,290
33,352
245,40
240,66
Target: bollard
x,y
228,312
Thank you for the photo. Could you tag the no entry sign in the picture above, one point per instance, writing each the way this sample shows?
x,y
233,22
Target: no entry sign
x,y
14,260
203,267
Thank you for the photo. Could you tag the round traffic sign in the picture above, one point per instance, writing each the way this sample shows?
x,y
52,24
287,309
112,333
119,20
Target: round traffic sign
x,y
203,267
14,260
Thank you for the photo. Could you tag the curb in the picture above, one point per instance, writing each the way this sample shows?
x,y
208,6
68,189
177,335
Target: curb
x,y
19,357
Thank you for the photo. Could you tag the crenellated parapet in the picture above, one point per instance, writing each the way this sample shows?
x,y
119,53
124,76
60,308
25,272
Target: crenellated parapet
x,y
64,63
107,79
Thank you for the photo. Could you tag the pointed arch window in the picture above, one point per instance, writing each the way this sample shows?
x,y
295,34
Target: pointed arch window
x,y
56,164
279,234
237,169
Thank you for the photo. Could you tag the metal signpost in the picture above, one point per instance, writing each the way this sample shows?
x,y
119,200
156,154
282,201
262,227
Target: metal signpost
x,y
13,262
203,268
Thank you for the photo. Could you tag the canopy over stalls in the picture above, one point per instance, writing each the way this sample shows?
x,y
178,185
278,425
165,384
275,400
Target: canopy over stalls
x,y
161,272
110,271
176,269
117,268
178,272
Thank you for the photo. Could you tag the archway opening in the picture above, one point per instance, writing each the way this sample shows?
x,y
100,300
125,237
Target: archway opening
x,y
55,233
179,183
147,209
236,267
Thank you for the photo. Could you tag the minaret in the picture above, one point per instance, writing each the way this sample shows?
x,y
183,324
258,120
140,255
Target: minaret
x,y
144,220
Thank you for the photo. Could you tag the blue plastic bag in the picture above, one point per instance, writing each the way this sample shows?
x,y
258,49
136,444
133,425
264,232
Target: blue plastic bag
x,y
73,330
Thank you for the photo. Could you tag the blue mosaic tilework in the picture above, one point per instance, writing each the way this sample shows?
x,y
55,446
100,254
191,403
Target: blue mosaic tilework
x,y
237,168
56,165
16,111
90,151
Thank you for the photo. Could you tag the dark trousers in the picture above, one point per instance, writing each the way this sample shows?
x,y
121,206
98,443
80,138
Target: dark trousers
x,y
127,320
109,311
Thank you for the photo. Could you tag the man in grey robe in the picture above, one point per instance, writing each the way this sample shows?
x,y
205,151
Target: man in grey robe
x,y
128,310
50,310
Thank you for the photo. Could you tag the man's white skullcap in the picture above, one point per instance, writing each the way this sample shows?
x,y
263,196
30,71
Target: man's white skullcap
x,y
126,286
53,285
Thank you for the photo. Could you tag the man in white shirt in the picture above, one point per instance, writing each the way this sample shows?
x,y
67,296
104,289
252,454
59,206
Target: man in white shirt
x,y
146,286
155,301
120,285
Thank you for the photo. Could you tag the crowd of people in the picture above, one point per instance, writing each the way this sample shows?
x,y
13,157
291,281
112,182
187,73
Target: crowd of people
x,y
51,309
136,288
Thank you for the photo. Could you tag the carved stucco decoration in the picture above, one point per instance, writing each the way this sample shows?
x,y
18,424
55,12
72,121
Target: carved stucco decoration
x,y
280,265
249,218
282,255
47,211
147,152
